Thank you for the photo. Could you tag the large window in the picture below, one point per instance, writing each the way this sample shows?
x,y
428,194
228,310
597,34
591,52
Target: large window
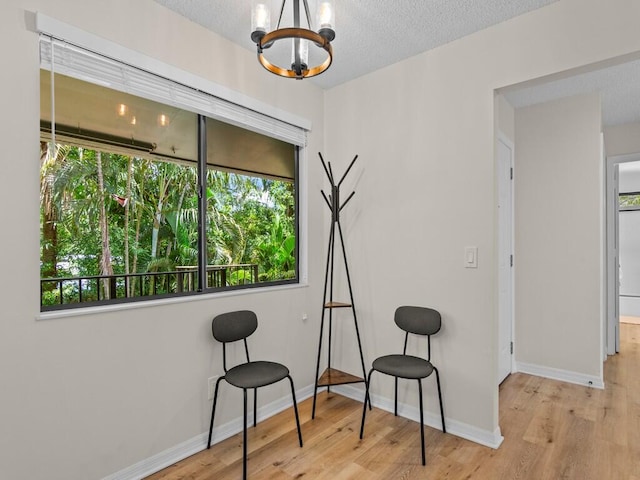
x,y
142,199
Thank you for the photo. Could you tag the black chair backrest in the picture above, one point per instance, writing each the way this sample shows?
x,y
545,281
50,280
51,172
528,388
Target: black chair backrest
x,y
231,327
418,320
234,326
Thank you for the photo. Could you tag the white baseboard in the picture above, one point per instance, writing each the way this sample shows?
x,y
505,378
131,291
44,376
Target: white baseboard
x,y
562,375
454,427
198,443
469,432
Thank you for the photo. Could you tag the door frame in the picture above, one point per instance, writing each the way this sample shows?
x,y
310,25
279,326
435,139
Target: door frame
x,y
612,319
507,142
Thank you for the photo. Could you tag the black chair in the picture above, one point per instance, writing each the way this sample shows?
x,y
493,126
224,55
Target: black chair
x,y
419,321
231,327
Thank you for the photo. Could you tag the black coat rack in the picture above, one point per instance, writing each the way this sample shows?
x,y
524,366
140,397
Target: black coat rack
x,y
332,376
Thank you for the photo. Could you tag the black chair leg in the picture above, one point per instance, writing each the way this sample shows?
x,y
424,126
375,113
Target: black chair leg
x,y
295,409
367,398
395,402
213,410
244,437
255,407
315,395
444,430
421,422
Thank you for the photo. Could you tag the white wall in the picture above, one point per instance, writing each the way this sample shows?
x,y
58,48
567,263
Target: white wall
x,y
622,139
85,396
557,249
629,177
504,117
424,130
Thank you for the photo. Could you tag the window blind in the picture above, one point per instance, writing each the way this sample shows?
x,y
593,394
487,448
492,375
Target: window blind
x,y
77,62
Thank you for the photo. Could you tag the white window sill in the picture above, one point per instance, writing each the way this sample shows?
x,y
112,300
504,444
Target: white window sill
x,y
117,307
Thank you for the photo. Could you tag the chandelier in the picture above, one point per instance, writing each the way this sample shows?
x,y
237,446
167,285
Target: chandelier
x,y
300,38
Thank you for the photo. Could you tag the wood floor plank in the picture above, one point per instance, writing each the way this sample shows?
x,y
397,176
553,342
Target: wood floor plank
x,y
553,431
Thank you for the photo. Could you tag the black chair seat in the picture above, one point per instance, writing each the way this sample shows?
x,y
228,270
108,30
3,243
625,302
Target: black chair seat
x,y
403,366
256,374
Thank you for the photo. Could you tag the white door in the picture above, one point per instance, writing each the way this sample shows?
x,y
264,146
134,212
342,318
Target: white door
x,y
616,246
613,259
505,258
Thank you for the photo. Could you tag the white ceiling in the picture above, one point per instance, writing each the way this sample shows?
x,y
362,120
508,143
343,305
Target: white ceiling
x,y
371,35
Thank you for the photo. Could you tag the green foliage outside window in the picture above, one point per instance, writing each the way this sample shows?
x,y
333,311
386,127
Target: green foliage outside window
x,y
629,200
106,213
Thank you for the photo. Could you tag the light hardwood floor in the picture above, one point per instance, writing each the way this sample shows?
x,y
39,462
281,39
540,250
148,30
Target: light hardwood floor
x,y
630,319
553,430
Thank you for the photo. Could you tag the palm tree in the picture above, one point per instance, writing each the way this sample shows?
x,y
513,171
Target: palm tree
x,y
106,267
80,184
51,160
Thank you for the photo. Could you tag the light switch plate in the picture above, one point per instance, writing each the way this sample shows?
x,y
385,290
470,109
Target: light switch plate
x,y
471,257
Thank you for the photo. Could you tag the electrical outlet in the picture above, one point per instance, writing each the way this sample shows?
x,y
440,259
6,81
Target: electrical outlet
x,y
304,317
211,386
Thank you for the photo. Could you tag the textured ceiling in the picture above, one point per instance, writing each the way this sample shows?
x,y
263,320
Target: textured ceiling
x,y
619,87
369,34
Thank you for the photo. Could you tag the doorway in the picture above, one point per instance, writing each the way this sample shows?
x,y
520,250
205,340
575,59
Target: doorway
x,y
623,262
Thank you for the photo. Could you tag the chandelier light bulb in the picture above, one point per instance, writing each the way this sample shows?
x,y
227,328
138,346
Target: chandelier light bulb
x,y
326,16
303,53
260,20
